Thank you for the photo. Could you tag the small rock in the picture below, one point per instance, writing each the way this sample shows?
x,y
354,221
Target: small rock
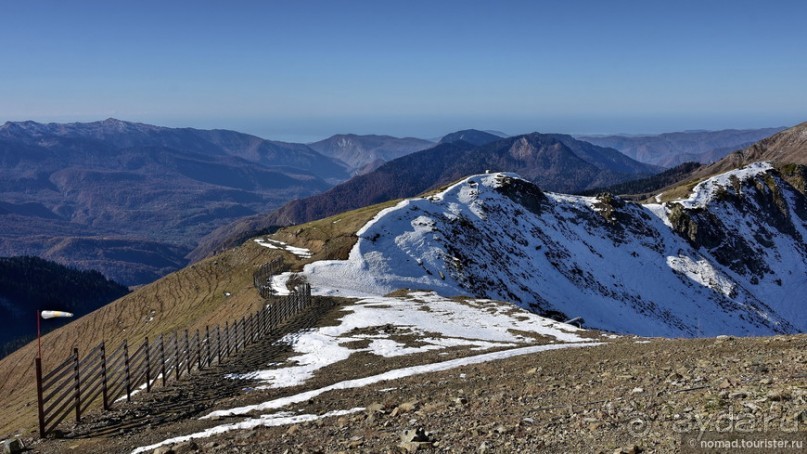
x,y
12,446
738,395
632,450
163,450
412,440
637,390
777,395
407,407
418,435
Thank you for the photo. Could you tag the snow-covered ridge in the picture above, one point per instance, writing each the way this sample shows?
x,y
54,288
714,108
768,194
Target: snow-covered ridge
x,y
621,266
705,191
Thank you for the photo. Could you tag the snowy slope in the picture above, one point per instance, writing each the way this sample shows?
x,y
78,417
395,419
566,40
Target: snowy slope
x,y
436,322
621,266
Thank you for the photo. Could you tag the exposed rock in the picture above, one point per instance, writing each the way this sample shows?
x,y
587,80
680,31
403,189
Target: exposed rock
x,y
412,440
12,446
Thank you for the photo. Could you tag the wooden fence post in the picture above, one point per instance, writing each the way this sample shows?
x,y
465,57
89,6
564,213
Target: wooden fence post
x,y
187,351
126,370
243,332
162,358
227,337
299,296
198,351
77,385
218,342
251,328
148,364
207,345
104,376
40,404
176,355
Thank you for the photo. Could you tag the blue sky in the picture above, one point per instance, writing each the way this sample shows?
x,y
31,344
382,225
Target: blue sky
x,y
303,70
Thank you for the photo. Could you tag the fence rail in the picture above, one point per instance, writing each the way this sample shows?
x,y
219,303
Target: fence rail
x,y
78,382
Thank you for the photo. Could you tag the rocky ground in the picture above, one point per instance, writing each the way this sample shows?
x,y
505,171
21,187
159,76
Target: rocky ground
x,y
628,395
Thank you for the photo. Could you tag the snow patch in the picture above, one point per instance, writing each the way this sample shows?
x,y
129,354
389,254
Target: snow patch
x,y
273,420
275,244
702,272
394,375
436,322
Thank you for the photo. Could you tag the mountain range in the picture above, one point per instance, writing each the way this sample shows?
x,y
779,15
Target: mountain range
x,y
557,162
672,149
138,201
130,200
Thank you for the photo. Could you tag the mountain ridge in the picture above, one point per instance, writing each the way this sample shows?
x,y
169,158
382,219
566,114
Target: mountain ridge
x,y
674,148
553,159
564,251
141,195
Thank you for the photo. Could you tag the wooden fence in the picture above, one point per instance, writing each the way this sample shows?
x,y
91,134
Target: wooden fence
x,y
76,383
262,277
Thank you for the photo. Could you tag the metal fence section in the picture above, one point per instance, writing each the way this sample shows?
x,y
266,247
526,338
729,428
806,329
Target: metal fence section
x,y
78,382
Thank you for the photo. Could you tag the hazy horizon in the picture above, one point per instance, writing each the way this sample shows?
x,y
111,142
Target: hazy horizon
x,y
304,136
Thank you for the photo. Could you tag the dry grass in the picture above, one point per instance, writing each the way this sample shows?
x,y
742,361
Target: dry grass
x,y
209,292
330,238
188,299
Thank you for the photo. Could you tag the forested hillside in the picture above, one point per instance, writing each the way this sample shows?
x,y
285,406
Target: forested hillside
x,y
29,284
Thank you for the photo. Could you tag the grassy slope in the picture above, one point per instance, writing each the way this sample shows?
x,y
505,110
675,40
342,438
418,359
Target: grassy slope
x,y
190,298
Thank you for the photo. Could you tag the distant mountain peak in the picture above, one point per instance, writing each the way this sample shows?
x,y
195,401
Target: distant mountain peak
x,y
364,153
472,136
522,148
